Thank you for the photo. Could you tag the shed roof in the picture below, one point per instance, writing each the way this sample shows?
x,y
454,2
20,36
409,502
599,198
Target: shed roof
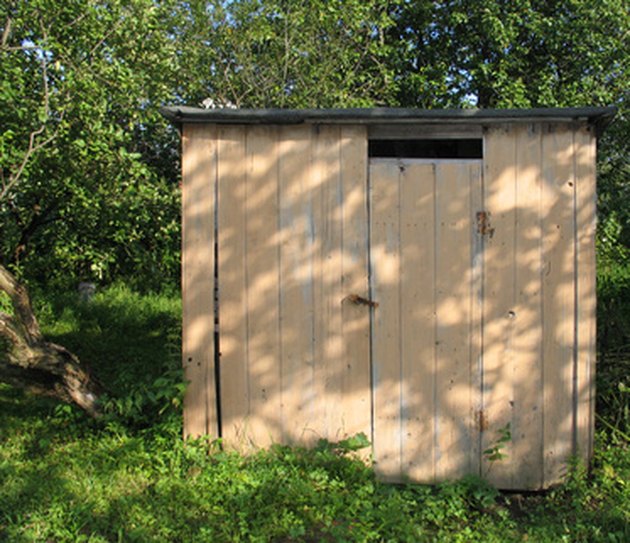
x,y
598,116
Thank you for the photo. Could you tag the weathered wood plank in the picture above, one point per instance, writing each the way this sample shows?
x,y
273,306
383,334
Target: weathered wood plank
x,y
435,131
477,244
558,299
232,254
453,298
586,217
262,277
296,295
354,373
198,213
499,301
327,269
386,348
527,341
417,279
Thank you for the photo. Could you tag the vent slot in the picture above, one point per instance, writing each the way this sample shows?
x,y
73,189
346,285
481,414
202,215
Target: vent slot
x,y
426,148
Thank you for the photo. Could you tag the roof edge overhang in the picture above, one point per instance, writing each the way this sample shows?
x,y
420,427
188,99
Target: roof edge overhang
x,y
599,117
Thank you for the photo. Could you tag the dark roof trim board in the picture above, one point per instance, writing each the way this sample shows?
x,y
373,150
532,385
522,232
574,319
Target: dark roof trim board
x,y
597,116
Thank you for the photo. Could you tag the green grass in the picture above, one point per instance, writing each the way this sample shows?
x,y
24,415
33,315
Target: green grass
x,y
130,477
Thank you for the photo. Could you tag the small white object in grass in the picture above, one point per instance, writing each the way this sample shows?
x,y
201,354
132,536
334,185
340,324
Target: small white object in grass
x,y
86,291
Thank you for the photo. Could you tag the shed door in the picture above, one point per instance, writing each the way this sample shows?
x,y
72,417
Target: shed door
x,y
425,274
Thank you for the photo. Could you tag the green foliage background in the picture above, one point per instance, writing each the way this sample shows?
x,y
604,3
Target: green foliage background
x,y
89,190
100,199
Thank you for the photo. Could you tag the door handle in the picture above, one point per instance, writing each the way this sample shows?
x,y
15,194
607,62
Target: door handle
x,y
360,300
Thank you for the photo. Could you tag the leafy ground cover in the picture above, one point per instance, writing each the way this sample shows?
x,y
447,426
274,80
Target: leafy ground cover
x,y
130,477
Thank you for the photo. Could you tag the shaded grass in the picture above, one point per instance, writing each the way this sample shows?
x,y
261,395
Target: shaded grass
x,y
130,477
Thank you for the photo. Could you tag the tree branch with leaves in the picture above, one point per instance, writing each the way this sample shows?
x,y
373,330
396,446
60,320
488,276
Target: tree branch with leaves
x,y
77,76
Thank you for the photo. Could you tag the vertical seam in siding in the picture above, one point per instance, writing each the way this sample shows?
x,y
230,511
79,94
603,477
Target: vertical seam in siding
x,y
314,143
340,201
471,320
216,293
278,134
436,428
543,380
368,204
206,370
482,294
246,180
515,300
574,377
401,410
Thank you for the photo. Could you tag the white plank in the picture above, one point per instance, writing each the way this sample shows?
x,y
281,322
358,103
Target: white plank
x,y
327,273
296,278
386,348
454,396
499,302
527,374
586,216
558,300
354,374
418,322
198,208
262,271
233,323
477,244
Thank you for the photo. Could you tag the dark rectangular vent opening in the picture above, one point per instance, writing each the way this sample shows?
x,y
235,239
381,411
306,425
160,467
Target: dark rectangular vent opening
x,y
438,148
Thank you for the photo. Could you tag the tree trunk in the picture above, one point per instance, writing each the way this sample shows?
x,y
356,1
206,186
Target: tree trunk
x,y
30,362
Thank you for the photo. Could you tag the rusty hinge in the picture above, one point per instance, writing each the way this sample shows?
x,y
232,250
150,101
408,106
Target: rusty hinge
x,y
360,300
482,421
483,224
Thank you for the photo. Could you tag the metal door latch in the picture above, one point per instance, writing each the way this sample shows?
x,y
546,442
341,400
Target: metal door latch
x,y
360,300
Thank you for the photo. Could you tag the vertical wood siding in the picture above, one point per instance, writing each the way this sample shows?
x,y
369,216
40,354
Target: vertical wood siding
x,y
585,218
199,165
425,330
292,247
476,329
539,300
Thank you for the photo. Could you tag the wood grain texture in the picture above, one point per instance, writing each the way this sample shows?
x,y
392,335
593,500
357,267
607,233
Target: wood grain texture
x,y
499,357
473,330
527,372
354,372
296,295
454,418
327,280
426,281
586,216
418,320
198,213
233,287
262,279
385,270
558,300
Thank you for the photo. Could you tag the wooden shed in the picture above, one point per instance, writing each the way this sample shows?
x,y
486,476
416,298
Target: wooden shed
x,y
426,277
